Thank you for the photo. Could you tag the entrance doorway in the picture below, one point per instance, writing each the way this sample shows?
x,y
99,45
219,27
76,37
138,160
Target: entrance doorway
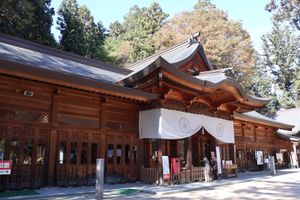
x,y
77,152
203,145
122,156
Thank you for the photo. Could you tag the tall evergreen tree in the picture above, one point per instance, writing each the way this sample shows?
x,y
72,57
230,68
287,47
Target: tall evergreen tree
x,y
281,56
27,19
262,86
69,25
135,33
297,88
286,10
79,32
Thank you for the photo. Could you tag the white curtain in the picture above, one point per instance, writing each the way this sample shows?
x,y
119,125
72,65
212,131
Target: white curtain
x,y
171,124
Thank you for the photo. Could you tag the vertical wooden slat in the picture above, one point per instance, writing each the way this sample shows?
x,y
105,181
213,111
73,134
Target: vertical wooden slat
x,y
34,172
53,141
103,117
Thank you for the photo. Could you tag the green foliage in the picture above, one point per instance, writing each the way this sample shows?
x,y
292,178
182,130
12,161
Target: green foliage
x,y
286,10
72,35
79,33
225,42
28,19
278,69
281,55
136,32
297,88
261,86
117,50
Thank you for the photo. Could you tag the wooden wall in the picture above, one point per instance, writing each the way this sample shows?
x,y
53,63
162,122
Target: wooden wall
x,y
70,128
250,137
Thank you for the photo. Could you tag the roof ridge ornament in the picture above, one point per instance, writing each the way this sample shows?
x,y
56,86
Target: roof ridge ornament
x,y
193,38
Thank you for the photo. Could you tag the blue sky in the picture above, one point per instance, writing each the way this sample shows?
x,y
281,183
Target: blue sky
x,y
254,18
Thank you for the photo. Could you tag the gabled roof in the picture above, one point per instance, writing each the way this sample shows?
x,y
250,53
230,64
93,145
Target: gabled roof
x,y
209,80
29,60
216,78
291,116
288,137
255,117
175,55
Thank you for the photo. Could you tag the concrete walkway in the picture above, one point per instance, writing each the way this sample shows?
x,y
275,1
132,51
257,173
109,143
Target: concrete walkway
x,y
113,191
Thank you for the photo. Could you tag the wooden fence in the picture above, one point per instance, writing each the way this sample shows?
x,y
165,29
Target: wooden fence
x,y
150,175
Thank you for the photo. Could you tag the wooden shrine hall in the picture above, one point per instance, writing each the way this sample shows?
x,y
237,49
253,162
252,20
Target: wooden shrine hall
x,y
59,112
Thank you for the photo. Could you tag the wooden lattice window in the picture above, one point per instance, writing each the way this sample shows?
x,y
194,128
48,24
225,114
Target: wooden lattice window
x,y
23,116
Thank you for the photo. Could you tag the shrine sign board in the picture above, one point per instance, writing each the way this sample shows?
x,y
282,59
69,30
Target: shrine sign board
x,y
5,167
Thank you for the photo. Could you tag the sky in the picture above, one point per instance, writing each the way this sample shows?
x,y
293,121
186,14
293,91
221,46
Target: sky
x,y
251,13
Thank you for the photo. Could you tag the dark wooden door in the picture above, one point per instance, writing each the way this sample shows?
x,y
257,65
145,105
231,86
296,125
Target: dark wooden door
x,y
76,157
122,156
27,147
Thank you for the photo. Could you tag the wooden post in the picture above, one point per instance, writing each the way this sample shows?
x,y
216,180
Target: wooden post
x,y
160,172
53,141
232,153
189,154
168,148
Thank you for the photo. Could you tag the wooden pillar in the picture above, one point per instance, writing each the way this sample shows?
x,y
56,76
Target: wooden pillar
x,y
232,153
189,154
103,116
255,135
52,161
159,156
168,148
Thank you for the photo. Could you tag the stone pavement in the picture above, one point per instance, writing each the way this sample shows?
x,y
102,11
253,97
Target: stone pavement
x,y
113,191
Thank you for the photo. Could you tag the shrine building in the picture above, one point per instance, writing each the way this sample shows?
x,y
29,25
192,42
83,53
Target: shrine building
x,y
59,112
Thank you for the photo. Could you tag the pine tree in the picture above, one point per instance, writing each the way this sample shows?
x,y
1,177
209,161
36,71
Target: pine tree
x,y
79,32
286,10
136,32
72,33
281,56
262,86
27,19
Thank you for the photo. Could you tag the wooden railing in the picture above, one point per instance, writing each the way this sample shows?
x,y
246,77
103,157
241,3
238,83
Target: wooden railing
x,y
197,174
149,175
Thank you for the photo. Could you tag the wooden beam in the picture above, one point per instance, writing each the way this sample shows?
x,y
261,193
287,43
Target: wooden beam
x,y
205,101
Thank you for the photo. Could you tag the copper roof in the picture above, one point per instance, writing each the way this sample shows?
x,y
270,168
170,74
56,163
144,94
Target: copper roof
x,y
29,60
255,117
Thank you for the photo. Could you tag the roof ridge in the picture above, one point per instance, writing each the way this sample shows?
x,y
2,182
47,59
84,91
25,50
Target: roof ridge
x,y
33,46
159,53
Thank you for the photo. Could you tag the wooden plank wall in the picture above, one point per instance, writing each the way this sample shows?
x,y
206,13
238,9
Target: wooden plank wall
x,y
25,130
56,116
250,137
